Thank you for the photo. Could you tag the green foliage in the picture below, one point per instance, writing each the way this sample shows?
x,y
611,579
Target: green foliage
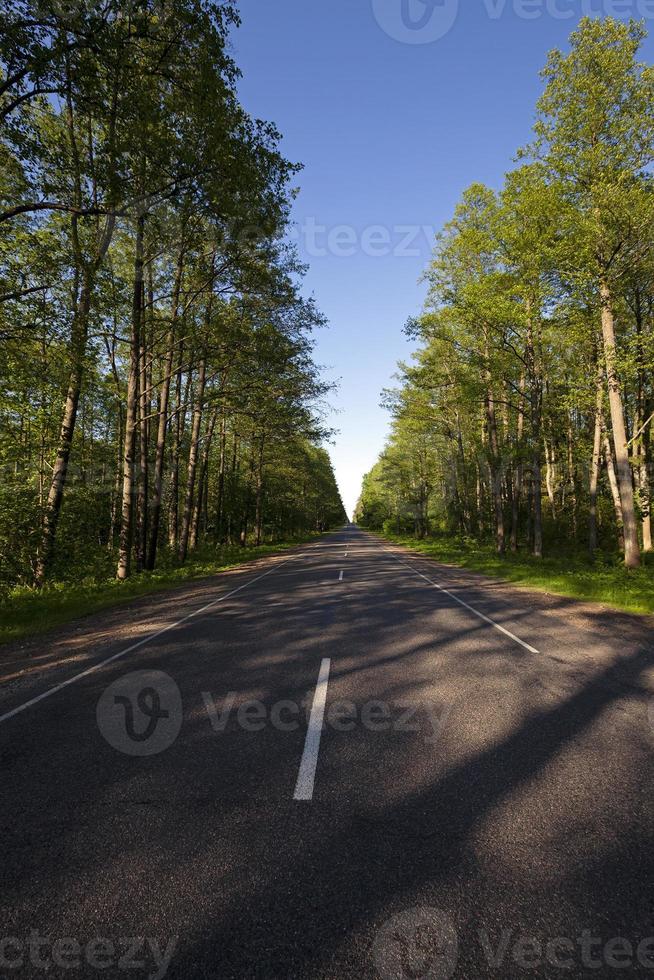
x,y
158,394
27,611
526,414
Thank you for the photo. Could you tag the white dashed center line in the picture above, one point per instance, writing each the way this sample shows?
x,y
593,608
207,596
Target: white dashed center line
x,y
307,773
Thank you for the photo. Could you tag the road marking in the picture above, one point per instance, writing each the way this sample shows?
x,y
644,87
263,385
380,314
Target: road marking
x,y
461,602
140,643
307,772
340,576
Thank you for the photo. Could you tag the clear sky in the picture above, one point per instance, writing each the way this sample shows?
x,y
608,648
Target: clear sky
x,y
393,107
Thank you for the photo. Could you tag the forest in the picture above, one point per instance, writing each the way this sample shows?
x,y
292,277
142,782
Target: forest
x,y
158,392
525,416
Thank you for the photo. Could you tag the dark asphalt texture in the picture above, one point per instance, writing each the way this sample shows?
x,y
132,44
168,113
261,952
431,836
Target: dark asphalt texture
x,y
479,810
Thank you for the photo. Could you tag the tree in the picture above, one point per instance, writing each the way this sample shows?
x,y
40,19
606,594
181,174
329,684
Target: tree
x,y
595,133
536,356
156,370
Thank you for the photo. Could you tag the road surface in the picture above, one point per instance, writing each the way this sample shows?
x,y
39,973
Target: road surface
x,y
345,762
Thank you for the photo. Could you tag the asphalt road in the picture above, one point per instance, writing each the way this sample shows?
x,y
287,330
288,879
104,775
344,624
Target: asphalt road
x,y
345,762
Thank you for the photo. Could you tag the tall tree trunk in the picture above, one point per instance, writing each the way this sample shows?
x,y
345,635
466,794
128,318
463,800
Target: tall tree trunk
x,y
115,495
596,460
127,509
78,344
495,466
615,489
537,501
537,482
202,482
192,463
79,340
87,270
535,379
181,403
232,478
220,505
644,491
516,488
572,477
465,491
245,519
143,440
643,433
549,475
259,494
162,420
515,507
625,481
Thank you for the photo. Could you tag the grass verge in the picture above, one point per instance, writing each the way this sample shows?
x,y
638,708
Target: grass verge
x,y
28,611
604,580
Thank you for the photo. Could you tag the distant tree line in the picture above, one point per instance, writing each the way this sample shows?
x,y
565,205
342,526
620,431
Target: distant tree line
x,y
157,387
527,413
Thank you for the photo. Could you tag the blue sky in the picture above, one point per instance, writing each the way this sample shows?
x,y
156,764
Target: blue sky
x,y
390,133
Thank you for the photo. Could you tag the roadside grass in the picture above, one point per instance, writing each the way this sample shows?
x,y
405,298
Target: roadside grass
x,y
26,611
567,573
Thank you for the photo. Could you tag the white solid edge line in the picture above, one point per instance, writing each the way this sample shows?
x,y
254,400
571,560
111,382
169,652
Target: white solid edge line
x,y
307,771
461,602
140,643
